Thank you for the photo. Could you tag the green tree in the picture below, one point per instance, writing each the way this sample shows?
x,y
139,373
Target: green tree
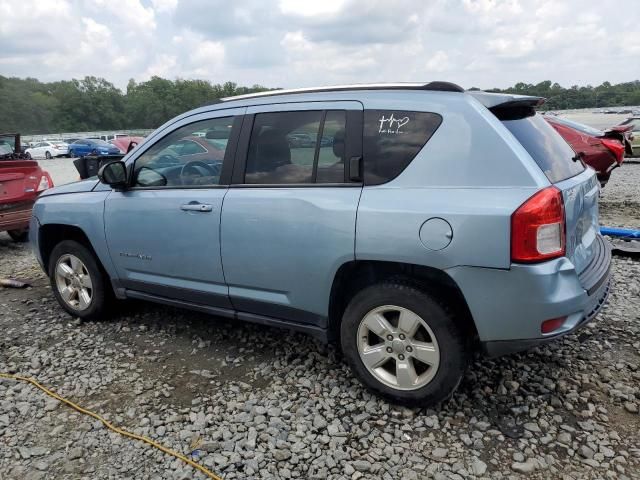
x,y
92,103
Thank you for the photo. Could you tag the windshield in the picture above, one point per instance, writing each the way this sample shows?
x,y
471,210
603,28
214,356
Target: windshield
x,y
100,143
5,148
579,126
553,155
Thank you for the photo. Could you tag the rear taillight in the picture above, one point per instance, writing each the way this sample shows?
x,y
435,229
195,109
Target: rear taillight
x,y
45,182
538,228
615,147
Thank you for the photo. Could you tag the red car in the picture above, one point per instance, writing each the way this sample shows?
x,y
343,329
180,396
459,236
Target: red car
x,y
126,144
21,181
602,150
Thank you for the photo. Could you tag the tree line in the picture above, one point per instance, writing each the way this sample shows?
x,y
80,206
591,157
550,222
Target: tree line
x,y
560,98
29,106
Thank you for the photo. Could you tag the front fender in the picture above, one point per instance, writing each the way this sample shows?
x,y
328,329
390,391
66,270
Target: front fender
x,y
85,211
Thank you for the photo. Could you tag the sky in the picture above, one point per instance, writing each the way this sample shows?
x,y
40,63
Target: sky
x,y
298,43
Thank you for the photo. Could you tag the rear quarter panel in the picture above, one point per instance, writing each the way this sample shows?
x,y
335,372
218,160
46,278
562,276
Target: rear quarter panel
x,y
472,173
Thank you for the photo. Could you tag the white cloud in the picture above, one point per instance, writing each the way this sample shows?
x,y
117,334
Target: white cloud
x,y
438,63
162,66
288,43
307,8
162,6
129,13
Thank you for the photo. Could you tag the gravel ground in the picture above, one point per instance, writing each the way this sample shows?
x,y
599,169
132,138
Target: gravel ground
x,y
253,402
620,198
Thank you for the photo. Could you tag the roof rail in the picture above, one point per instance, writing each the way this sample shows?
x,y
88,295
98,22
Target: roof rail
x,y
432,86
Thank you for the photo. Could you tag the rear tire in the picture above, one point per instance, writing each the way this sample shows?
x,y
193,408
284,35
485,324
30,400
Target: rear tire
x,y
19,236
78,282
72,154
417,357
47,155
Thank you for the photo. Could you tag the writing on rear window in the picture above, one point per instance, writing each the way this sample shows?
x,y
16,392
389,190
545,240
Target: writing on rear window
x,y
392,139
392,125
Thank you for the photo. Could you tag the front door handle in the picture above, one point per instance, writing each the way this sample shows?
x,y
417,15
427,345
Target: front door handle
x,y
196,207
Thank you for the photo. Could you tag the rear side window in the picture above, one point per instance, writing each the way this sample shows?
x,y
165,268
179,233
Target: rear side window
x,y
392,138
300,147
553,155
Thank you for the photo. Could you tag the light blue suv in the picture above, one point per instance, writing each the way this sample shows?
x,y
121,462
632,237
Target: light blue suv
x,y
409,223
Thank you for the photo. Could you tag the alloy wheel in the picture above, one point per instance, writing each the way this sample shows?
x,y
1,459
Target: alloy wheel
x,y
398,347
73,282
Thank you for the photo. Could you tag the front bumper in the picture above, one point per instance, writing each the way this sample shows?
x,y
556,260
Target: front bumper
x,y
34,238
509,306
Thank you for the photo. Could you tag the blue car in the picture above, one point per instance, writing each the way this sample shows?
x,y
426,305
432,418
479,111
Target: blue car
x,y
86,146
439,221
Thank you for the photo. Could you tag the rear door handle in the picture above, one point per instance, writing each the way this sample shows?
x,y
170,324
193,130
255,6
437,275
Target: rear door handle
x,y
196,207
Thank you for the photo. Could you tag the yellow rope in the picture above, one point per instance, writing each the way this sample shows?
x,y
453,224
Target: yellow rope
x,y
141,438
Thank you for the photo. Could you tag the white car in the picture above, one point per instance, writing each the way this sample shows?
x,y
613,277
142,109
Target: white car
x,y
48,149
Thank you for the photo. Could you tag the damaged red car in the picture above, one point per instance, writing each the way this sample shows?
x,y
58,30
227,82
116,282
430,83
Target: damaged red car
x,y
21,181
602,150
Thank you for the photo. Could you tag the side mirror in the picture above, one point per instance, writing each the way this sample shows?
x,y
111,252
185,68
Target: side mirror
x,y
113,174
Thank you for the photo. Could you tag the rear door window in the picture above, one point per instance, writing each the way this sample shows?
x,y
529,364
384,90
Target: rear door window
x,y
297,147
392,138
548,149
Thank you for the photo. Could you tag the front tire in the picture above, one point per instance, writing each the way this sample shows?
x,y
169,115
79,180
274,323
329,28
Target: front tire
x,y
19,236
47,155
403,345
78,282
72,154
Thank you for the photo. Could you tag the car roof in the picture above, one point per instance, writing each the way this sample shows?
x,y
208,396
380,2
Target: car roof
x,y
488,99
360,91
432,86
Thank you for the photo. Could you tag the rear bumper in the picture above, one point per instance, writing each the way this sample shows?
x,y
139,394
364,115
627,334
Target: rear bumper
x,y
15,217
504,347
60,152
509,306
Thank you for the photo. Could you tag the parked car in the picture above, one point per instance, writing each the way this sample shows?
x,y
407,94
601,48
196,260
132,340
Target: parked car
x,y
21,181
48,149
112,136
86,146
125,144
299,139
602,150
370,242
635,132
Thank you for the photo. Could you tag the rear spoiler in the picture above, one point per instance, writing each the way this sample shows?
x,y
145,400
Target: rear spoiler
x,y
492,100
620,128
506,106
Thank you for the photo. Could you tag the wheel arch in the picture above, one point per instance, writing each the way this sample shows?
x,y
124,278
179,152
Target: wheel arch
x,y
356,275
51,234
